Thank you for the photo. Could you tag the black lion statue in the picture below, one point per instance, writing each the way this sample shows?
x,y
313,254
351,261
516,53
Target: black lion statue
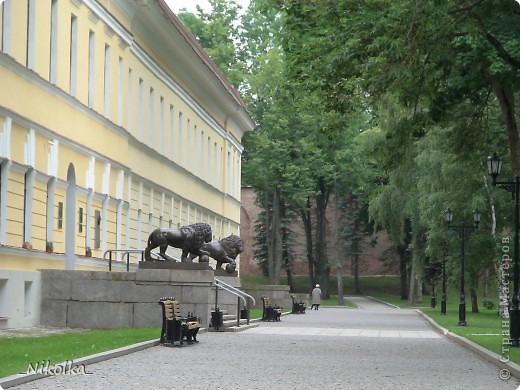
x,y
187,238
223,251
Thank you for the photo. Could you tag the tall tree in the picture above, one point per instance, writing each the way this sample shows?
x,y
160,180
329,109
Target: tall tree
x,y
445,64
219,34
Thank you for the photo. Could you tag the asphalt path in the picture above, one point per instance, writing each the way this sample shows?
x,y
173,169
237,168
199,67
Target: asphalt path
x,y
372,347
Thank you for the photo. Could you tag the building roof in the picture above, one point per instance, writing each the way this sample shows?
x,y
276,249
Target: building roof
x,y
160,30
199,51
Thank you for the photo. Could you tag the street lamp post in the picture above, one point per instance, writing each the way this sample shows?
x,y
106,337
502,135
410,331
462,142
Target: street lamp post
x,y
494,165
464,231
443,299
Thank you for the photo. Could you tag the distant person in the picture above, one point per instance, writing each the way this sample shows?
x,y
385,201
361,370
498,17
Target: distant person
x,y
316,297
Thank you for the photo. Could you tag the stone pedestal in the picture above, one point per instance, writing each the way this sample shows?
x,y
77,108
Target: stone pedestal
x,y
98,300
173,265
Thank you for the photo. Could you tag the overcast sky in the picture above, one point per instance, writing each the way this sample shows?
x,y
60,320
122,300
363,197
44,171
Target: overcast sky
x,y
190,5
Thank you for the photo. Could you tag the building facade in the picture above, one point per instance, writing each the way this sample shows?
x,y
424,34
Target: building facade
x,y
113,122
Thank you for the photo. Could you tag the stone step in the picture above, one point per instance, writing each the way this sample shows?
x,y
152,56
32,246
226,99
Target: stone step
x,y
235,328
232,320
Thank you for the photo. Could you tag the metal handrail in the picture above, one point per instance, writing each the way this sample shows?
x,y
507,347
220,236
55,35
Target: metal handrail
x,y
124,252
235,291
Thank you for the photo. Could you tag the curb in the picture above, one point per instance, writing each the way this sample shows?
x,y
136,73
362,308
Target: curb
x,y
18,379
383,302
506,367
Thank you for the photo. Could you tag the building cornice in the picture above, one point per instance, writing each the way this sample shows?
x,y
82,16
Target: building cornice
x,y
133,9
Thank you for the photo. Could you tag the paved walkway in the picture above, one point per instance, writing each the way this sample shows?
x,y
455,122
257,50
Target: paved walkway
x,y
374,347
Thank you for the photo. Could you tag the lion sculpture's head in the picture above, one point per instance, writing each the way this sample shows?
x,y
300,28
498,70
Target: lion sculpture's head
x,y
233,245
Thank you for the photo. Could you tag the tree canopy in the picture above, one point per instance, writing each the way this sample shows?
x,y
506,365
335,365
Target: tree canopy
x,y
395,103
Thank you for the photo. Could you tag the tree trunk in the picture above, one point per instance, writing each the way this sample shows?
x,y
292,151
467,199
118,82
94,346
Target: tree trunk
x,y
412,286
415,292
276,238
285,252
323,268
403,271
339,277
307,226
404,259
355,271
474,300
290,282
506,99
269,239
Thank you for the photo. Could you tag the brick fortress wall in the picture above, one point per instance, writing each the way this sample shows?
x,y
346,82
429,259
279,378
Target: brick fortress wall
x,y
377,255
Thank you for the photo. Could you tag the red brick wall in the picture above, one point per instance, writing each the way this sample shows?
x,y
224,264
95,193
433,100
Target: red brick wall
x,y
248,216
377,255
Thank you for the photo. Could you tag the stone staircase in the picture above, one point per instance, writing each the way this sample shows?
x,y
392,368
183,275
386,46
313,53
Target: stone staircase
x,y
229,324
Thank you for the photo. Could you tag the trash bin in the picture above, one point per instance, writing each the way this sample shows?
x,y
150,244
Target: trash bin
x,y
244,314
217,319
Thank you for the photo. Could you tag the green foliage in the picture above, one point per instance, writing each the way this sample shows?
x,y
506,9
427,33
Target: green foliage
x,y
395,103
219,35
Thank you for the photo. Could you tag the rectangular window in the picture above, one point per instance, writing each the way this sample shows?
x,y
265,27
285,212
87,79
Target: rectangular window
x,y
91,67
188,146
215,180
140,114
194,150
31,32
49,208
120,94
53,70
228,173
3,298
28,298
106,82
172,132
208,165
179,142
97,229
60,215
152,117
80,220
130,104
202,157
73,55
161,125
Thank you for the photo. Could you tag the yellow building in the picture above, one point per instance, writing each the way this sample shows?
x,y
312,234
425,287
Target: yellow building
x,y
113,121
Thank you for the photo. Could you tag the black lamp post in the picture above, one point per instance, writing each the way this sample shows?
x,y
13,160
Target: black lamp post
x,y
494,164
443,299
464,231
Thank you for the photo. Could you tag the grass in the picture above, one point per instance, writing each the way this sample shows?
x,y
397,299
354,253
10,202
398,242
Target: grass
x,y
484,328
18,352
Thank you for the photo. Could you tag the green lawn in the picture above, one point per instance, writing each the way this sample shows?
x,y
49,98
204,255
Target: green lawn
x,y
18,352
484,328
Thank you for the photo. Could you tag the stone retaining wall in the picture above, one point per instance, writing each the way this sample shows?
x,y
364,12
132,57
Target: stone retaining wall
x,y
102,300
279,294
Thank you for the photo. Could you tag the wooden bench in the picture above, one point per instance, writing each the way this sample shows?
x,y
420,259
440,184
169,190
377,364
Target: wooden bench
x,y
271,312
298,307
176,328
